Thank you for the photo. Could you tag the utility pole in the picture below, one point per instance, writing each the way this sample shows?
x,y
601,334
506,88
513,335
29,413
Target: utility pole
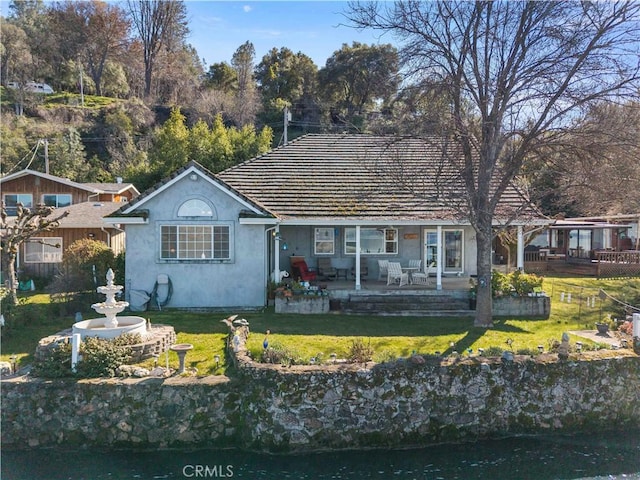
x,y
287,119
81,85
45,142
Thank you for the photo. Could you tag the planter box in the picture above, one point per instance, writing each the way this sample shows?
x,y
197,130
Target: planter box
x,y
528,307
303,304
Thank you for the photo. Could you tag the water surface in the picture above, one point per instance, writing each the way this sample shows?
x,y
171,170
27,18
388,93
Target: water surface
x,y
603,456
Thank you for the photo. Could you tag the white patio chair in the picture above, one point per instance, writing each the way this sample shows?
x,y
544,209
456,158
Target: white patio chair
x,y
422,278
395,274
382,269
415,264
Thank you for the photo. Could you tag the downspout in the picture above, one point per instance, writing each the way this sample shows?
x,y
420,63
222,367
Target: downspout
x,y
108,237
358,285
520,249
439,258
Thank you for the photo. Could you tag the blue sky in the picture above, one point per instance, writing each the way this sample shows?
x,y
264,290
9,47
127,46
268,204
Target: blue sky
x,y
218,28
312,27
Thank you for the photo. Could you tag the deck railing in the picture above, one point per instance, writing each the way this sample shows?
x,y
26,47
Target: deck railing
x,y
602,263
614,264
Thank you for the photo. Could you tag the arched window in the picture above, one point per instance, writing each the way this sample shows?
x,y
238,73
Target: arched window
x,y
195,208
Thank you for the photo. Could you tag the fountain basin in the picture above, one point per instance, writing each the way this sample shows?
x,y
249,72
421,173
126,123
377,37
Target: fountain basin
x,y
95,327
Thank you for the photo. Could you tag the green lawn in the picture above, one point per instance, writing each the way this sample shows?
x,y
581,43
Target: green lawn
x,y
322,335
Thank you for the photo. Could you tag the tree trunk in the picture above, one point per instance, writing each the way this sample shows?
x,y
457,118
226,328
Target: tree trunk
x,y
12,280
484,305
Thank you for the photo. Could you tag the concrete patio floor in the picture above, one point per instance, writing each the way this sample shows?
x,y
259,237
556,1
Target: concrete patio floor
x,y
448,283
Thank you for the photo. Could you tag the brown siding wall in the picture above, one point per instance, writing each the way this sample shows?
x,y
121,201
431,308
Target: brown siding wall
x,y
70,235
38,186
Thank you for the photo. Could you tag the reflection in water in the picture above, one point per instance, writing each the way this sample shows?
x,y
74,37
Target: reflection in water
x,y
606,455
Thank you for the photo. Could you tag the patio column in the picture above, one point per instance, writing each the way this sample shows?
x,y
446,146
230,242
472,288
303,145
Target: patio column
x,y
358,285
276,257
439,258
520,264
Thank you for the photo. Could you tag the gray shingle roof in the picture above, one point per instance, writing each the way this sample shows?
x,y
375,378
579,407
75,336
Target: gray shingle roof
x,y
357,177
87,214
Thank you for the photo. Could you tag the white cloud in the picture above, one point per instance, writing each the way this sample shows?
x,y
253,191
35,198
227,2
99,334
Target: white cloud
x,y
247,8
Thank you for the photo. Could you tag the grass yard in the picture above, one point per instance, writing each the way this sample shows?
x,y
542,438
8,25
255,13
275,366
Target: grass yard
x,y
319,336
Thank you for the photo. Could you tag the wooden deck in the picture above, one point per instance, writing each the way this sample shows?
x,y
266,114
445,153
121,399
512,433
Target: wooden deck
x,y
600,264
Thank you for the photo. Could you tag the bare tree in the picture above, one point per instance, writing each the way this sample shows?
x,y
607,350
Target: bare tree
x,y
15,231
514,73
158,23
592,169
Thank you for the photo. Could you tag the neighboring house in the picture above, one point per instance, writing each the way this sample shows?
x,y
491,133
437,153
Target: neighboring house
x,y
87,204
354,199
601,246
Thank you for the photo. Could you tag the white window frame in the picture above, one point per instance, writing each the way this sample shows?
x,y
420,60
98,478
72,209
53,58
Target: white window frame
x,y
188,247
195,207
388,246
57,199
50,250
324,241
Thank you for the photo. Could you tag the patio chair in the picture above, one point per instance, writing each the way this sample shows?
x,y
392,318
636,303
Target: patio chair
x,y
395,274
326,269
301,270
382,269
422,278
415,264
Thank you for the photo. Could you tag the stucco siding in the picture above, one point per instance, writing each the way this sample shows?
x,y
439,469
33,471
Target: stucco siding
x,y
237,282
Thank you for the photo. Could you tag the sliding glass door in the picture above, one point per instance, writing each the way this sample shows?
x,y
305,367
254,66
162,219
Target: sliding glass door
x,y
453,249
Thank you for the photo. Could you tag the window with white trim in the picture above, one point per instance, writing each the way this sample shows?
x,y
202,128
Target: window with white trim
x,y
195,242
324,241
374,241
195,208
43,250
57,200
11,201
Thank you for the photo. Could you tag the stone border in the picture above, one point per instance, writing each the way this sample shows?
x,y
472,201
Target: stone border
x,y
158,340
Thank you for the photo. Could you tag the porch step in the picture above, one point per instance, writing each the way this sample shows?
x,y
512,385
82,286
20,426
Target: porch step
x,y
419,303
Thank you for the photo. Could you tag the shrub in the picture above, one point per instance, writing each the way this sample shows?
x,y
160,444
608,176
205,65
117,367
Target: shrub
x,y
525,283
500,284
100,358
359,352
85,266
626,327
56,365
517,282
278,353
493,352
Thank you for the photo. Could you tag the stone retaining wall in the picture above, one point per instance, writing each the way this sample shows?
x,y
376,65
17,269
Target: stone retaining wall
x,y
302,304
416,401
522,307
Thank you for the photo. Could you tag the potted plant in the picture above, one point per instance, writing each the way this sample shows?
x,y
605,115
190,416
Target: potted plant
x,y
473,294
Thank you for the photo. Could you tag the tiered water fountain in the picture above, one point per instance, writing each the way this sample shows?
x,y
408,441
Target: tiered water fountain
x,y
110,326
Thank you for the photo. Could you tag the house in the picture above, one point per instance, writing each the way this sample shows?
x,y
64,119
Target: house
x,y
600,246
87,204
354,199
